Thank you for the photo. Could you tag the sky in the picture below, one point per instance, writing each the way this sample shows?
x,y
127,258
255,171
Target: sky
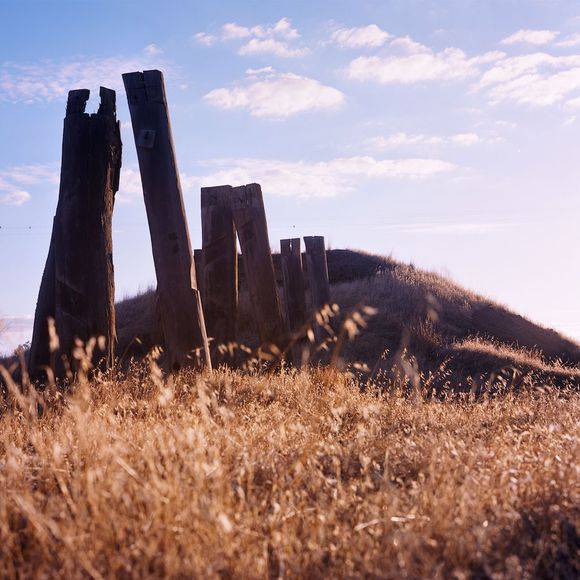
x,y
445,133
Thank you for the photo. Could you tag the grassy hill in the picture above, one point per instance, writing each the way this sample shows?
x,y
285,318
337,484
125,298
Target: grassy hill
x,y
452,336
307,473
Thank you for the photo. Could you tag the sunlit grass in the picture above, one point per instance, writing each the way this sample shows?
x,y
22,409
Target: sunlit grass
x,y
286,474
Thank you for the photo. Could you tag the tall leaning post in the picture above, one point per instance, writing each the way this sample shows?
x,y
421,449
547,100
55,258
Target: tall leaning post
x,y
220,263
179,300
317,268
77,288
250,221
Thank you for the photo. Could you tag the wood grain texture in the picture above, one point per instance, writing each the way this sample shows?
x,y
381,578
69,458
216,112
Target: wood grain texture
x,y
250,221
220,263
294,285
77,287
180,307
317,269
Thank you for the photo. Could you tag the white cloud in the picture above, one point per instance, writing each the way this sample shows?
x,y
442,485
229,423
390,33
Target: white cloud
x,y
574,103
205,38
421,65
274,39
14,197
365,36
16,180
408,45
403,140
271,46
49,80
152,50
536,37
129,185
570,41
466,139
232,30
322,179
537,79
276,95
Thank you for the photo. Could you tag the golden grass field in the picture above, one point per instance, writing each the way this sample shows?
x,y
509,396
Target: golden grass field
x,y
286,474
450,451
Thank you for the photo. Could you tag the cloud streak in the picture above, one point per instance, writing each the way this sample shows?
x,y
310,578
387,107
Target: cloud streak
x,y
535,37
48,80
321,179
16,180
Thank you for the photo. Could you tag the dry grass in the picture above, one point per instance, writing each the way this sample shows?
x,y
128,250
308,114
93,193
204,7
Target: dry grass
x,y
440,323
284,475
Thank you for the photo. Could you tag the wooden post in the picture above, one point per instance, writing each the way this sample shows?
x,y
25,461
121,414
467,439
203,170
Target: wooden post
x,y
198,259
294,287
220,263
77,288
180,307
250,221
317,269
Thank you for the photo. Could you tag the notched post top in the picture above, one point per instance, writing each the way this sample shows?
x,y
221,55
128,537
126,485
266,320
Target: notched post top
x,y
108,104
77,101
146,86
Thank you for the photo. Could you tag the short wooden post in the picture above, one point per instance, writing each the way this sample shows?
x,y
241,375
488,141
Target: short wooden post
x,y
294,287
77,288
180,306
317,269
220,263
250,221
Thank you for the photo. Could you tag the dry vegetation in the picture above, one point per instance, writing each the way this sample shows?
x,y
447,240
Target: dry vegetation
x,y
288,474
450,457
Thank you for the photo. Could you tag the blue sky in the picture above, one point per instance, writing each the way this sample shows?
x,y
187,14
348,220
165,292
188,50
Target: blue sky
x,y
444,132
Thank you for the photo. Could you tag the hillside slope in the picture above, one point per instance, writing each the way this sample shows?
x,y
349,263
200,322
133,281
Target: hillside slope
x,y
449,333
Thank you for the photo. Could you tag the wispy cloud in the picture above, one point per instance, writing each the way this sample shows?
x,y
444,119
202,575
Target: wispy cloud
x,y
418,64
205,38
401,139
570,41
152,50
364,36
276,39
535,37
271,46
15,181
48,80
322,179
538,79
268,93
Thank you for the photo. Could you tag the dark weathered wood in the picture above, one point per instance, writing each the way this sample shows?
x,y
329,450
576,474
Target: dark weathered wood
x,y
250,222
294,286
179,300
198,260
317,269
220,263
77,287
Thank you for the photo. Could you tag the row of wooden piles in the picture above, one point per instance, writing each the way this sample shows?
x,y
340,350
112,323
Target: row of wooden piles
x,y
76,297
